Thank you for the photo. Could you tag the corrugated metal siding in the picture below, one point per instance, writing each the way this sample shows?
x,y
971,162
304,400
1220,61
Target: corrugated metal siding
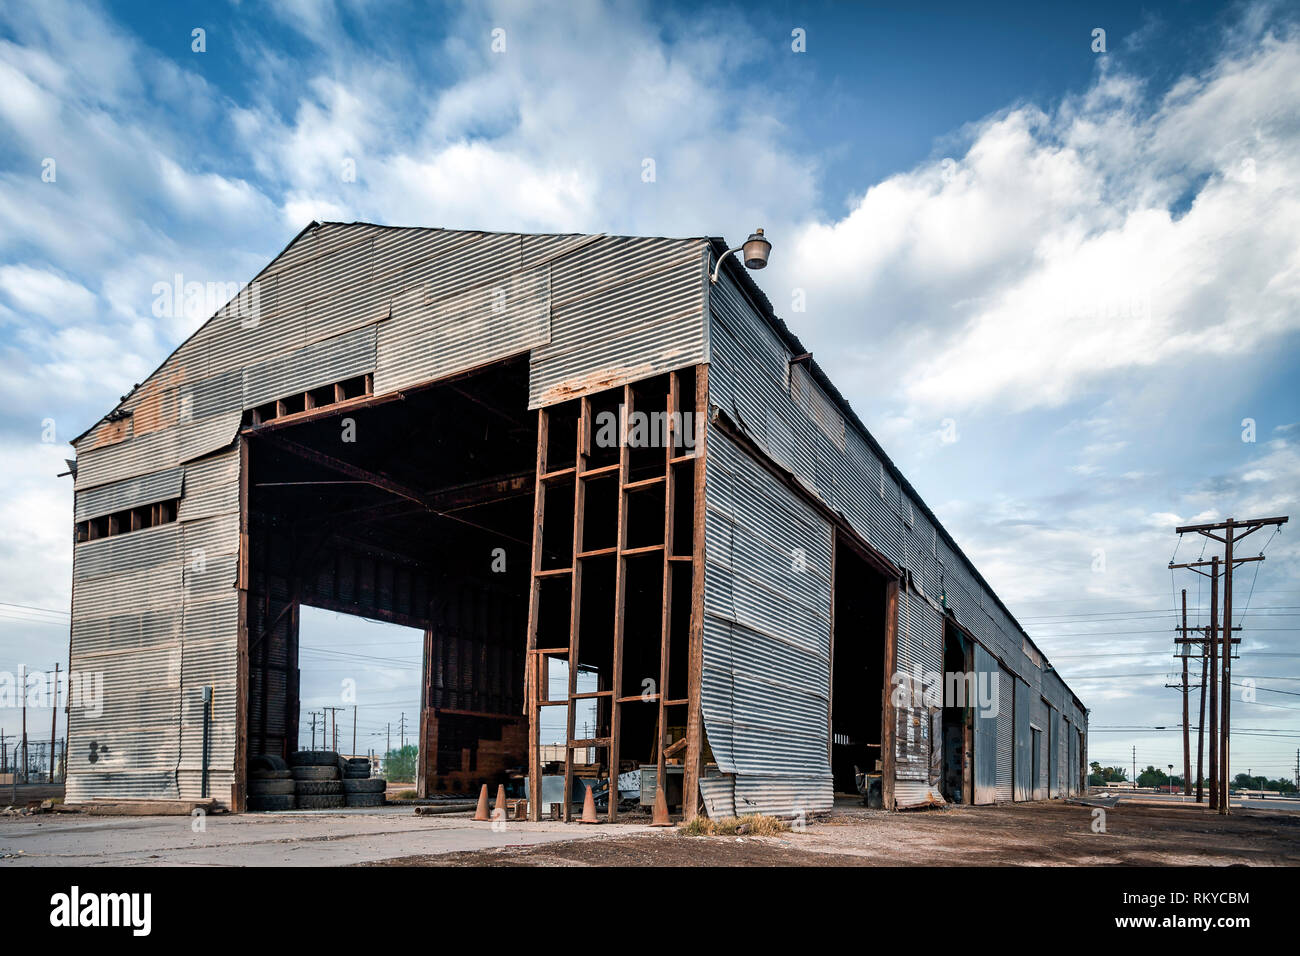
x,y
126,632
1005,789
1039,717
917,741
331,360
1024,750
621,310
1054,755
785,412
425,340
131,493
986,730
766,680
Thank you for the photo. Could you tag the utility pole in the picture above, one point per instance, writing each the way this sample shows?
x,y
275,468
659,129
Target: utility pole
x,y
401,730
1232,532
334,726
1135,767
22,689
312,715
354,730
1187,751
54,721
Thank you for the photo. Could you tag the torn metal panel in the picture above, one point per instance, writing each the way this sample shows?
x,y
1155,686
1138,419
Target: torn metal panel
x,y
130,493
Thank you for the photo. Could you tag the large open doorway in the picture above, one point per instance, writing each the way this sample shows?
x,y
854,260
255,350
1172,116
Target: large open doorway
x,y
360,683
413,509
857,673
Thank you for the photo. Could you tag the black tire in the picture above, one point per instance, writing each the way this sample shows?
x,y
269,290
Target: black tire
x,y
272,801
365,799
263,762
369,785
359,762
320,802
317,788
270,775
265,788
314,758
315,773
356,774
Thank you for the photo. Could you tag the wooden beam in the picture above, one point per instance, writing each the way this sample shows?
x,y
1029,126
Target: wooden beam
x,y
620,600
535,667
575,595
694,768
239,786
887,715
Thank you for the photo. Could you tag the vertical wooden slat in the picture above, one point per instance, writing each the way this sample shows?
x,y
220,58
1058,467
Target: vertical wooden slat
x,y
575,594
532,693
887,714
620,589
239,787
665,633
695,656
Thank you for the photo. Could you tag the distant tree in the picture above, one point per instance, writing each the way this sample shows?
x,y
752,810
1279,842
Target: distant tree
x,y
400,764
1102,774
1153,777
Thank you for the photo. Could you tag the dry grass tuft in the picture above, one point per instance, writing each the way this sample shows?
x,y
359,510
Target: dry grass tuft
x,y
753,824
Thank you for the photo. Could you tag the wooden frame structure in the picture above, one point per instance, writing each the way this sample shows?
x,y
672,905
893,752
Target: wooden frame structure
x,y
677,454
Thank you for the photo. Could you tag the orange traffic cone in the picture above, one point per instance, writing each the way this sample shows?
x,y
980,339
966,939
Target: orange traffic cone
x,y
482,812
660,818
589,809
501,800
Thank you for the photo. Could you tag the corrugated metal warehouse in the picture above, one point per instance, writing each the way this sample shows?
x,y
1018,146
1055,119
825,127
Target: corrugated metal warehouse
x,y
538,449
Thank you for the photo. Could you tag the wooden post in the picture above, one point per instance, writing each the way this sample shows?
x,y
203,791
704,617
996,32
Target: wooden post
x,y
620,599
532,672
575,596
694,768
239,787
888,717
1187,739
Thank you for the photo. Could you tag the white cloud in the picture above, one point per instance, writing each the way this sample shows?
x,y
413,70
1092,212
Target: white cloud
x,y
1054,255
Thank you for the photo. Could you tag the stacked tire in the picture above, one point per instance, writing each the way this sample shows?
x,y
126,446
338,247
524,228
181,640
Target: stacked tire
x,y
359,788
270,784
317,780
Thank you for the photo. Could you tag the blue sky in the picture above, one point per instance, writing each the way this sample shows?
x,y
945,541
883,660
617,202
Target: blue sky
x,y
1084,267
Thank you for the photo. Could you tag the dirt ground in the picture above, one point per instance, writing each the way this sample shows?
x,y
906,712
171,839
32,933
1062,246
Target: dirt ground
x,y
1026,834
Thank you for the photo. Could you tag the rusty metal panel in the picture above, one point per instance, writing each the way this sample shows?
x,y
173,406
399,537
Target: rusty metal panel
x,y
766,673
427,340
131,493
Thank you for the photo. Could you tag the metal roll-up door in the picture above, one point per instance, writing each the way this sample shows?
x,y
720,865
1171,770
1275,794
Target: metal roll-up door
x,y
1006,736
